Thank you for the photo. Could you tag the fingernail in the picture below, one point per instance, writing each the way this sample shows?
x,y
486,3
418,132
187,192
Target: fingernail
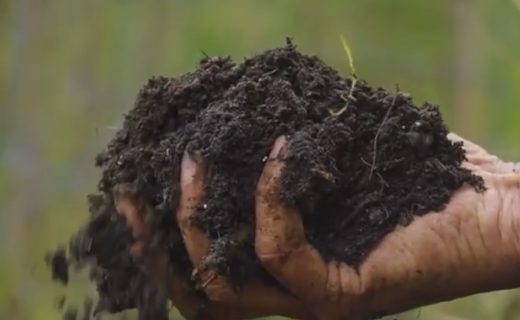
x,y
279,143
188,169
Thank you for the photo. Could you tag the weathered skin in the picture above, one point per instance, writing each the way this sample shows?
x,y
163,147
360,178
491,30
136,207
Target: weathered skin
x,y
472,246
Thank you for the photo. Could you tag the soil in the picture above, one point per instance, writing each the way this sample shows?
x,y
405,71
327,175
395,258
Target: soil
x,y
360,160
59,265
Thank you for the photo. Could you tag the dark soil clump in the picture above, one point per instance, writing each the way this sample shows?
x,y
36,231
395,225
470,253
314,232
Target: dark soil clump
x,y
359,162
57,261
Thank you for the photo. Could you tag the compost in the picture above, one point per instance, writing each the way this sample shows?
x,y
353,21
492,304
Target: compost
x,y
359,161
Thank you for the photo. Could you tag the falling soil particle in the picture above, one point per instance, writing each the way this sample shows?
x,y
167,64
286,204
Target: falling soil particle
x,y
70,314
359,161
59,265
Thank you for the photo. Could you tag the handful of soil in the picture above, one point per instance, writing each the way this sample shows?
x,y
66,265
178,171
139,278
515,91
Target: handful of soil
x,y
359,162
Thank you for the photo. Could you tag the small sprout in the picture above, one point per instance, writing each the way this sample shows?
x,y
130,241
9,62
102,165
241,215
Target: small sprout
x,y
348,52
349,55
350,97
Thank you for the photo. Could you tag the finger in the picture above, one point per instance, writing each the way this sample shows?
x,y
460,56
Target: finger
x,y
477,155
253,299
280,240
155,264
193,174
468,146
132,210
512,168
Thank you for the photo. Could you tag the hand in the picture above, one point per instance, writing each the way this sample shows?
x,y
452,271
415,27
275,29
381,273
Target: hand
x,y
471,246
221,300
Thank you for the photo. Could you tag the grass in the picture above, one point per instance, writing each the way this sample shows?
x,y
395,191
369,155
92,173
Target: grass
x,y
350,59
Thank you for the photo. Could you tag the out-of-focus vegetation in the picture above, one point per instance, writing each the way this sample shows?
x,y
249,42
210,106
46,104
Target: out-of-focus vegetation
x,y
70,69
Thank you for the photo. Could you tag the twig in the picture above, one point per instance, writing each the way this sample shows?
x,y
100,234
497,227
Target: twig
x,y
372,168
383,181
354,81
347,99
366,162
340,111
268,73
374,155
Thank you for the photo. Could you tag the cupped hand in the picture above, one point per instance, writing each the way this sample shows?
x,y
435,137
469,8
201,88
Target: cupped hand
x,y
471,246
220,300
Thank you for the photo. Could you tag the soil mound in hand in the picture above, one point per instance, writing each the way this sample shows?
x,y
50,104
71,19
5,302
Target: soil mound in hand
x,y
359,161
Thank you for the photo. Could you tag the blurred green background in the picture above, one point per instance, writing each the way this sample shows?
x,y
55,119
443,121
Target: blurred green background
x,y
70,69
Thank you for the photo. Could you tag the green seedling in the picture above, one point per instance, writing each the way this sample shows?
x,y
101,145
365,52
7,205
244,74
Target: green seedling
x,y
350,58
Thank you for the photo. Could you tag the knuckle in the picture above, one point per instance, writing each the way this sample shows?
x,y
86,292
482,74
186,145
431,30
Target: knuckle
x,y
353,285
216,288
267,248
334,288
220,291
274,253
271,257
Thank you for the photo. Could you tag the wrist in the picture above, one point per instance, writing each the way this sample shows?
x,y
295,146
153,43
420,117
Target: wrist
x,y
508,229
511,209
503,167
493,238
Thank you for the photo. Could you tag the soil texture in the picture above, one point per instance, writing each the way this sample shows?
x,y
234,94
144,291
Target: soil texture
x,y
359,161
